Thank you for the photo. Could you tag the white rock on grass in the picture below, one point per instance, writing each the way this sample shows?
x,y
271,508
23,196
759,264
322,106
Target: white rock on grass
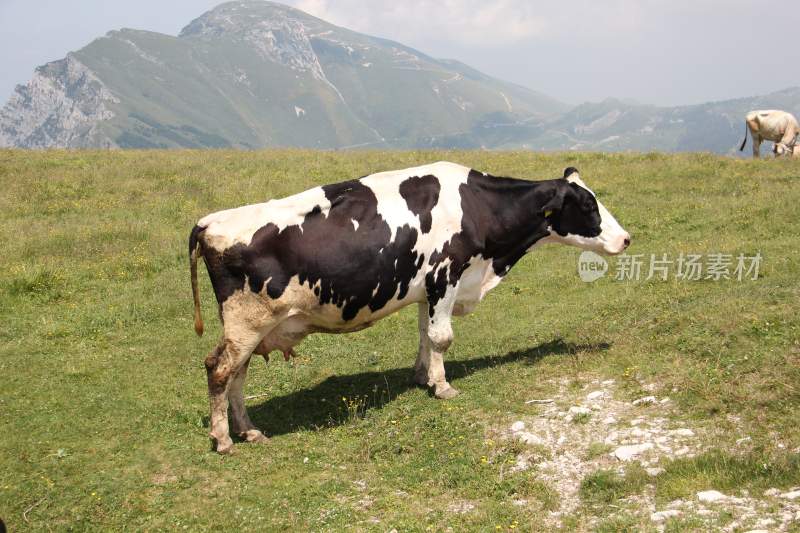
x,y
627,453
517,426
772,492
596,395
793,495
711,496
676,503
579,410
682,432
660,516
521,465
609,420
654,471
647,400
528,438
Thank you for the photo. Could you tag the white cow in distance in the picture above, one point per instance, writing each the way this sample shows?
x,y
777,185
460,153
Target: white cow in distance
x,y
771,125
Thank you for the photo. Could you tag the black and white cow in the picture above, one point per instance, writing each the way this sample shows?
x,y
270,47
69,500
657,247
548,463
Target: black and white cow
x,y
340,257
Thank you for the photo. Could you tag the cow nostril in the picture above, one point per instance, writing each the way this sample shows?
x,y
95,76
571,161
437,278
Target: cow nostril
x,y
627,242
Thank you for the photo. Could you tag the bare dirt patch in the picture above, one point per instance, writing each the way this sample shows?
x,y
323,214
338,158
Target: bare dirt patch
x,y
579,432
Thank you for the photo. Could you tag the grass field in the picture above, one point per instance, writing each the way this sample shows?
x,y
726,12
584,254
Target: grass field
x,y
103,406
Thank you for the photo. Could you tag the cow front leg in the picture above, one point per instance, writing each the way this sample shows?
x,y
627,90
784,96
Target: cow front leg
x,y
424,353
439,333
240,421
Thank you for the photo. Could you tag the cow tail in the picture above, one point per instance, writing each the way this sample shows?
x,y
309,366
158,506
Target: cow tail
x,y
194,251
746,129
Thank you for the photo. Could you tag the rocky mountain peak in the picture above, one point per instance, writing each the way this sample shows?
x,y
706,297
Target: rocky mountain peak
x,y
277,32
59,107
235,18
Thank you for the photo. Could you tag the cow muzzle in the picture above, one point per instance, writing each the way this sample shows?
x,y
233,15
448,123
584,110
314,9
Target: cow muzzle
x,y
617,244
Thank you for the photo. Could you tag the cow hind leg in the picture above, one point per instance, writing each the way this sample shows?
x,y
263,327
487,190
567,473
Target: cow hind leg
x,y
240,421
222,367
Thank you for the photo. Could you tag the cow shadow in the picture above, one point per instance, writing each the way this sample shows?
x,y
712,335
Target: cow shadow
x,y
337,399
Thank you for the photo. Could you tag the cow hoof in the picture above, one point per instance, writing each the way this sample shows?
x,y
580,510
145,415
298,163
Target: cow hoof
x,y
225,448
445,392
255,436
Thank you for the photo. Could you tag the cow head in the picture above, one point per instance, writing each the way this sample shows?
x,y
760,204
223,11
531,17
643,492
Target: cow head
x,y
576,217
780,149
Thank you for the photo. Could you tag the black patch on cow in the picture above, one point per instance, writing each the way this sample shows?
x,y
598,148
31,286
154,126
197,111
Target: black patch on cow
x,y
421,196
435,287
355,268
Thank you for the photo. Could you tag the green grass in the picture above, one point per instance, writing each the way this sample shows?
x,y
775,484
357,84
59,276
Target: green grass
x,y
103,406
727,472
607,486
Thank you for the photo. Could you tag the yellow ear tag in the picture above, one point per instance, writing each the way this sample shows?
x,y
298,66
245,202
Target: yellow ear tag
x,y
547,214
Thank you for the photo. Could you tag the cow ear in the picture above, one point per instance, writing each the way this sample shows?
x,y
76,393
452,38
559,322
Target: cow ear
x,y
555,203
569,171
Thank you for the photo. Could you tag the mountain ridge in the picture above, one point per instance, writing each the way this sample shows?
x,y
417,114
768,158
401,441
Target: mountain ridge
x,y
252,74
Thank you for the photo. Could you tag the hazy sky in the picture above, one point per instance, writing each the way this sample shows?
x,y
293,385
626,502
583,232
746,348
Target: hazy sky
x,y
654,51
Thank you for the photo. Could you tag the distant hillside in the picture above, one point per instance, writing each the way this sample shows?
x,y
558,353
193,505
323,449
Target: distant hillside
x,y
254,74
613,125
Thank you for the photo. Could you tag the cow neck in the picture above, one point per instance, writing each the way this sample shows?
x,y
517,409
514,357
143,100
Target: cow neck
x,y
509,218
